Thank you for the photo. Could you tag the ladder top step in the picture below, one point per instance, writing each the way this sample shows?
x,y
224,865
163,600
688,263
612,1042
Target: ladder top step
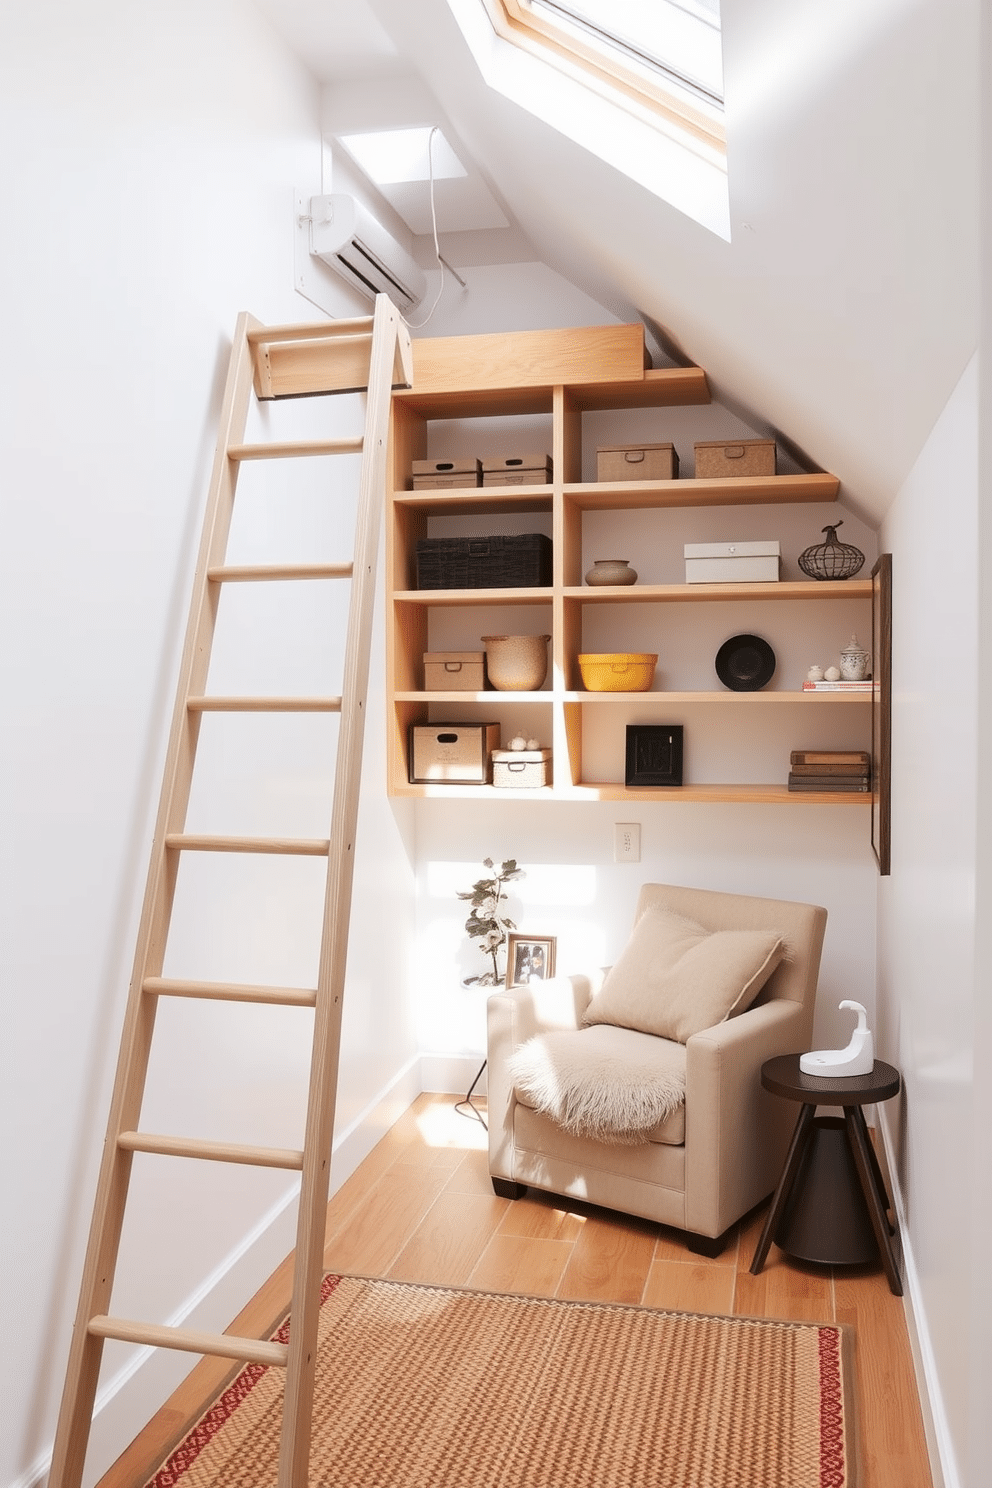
x,y
312,330
223,1345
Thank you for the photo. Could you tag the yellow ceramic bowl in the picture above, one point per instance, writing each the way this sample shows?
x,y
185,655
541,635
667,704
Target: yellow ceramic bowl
x,y
618,671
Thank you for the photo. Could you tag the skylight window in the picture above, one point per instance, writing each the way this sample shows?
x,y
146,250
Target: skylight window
x,y
679,39
639,83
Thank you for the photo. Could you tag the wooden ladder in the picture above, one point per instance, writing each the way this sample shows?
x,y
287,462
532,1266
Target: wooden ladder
x,y
372,353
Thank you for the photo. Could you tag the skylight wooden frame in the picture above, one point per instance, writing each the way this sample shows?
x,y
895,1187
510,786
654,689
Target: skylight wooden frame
x,y
522,27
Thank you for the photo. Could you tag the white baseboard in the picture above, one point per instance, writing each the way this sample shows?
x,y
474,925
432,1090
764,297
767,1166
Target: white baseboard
x,y
943,1466
452,1074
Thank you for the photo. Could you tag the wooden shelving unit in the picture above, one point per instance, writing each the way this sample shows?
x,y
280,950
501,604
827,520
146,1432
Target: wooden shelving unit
x,y
563,375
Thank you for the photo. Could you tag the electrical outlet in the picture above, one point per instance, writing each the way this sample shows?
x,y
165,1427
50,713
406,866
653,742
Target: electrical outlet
x,y
626,842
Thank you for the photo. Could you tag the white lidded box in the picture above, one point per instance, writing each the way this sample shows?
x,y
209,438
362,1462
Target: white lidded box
x,y
518,768
456,753
732,562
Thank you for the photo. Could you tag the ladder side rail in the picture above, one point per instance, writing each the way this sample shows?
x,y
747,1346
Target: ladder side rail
x,y
298,1405
86,1349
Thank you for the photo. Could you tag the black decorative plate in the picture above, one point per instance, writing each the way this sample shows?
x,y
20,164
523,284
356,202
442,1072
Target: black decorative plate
x,y
745,663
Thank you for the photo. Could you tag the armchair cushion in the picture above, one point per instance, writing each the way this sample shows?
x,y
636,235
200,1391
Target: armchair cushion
x,y
674,977
606,1083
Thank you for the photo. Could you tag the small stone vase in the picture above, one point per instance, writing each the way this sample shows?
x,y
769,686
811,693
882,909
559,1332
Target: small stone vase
x,y
611,571
516,663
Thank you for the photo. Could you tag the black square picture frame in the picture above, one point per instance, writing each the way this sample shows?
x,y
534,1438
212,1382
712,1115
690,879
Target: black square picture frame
x,y
654,754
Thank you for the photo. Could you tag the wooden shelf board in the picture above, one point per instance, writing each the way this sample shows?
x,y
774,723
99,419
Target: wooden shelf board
x,y
714,593
473,596
763,698
753,490
494,696
483,501
475,402
547,695
755,795
662,387
762,795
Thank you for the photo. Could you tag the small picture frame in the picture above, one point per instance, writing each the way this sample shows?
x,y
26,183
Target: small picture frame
x,y
529,958
654,754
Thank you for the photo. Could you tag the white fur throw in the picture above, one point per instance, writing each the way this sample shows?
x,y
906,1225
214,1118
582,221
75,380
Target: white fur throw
x,y
609,1084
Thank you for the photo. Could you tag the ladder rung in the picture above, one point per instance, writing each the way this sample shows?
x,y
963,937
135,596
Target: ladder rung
x,y
232,1152
264,704
224,1345
295,448
260,572
231,992
323,331
308,847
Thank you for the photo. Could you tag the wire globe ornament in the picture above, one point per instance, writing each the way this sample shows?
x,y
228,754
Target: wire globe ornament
x,y
831,559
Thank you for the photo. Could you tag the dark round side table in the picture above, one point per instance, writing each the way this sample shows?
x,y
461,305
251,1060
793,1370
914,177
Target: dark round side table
x,y
830,1204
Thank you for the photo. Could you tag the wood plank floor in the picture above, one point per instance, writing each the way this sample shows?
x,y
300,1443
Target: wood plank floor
x,y
421,1208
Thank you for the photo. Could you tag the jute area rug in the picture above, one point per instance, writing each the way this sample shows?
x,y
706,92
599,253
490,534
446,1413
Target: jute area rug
x,y
434,1387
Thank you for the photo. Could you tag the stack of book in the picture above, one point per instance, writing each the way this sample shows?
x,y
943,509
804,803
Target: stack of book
x,y
830,770
825,686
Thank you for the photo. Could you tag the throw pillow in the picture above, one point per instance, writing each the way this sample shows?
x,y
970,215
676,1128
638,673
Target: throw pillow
x,y
674,978
607,1084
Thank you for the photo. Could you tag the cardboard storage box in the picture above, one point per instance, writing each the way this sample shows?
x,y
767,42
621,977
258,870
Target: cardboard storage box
x,y
520,768
455,753
627,462
432,475
517,470
454,671
716,460
732,563
520,561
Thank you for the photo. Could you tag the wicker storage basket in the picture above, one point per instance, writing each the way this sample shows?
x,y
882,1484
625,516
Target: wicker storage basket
x,y
519,562
619,671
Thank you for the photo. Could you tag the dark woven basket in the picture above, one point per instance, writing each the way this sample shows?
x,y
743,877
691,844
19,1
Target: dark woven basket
x,y
520,562
831,559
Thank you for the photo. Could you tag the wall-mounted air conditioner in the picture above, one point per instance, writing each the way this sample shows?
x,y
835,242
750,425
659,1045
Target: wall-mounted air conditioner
x,y
349,239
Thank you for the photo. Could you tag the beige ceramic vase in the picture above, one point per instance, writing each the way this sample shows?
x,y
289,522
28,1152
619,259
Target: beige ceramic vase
x,y
516,663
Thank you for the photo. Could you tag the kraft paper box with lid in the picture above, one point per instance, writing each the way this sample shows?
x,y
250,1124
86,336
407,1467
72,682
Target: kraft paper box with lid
x,y
450,474
454,671
525,469
629,462
730,459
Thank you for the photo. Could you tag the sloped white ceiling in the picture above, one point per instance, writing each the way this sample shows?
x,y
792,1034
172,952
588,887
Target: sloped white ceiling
x,y
845,308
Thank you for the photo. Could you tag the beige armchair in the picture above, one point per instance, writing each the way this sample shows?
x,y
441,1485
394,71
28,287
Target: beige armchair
x,y
721,1152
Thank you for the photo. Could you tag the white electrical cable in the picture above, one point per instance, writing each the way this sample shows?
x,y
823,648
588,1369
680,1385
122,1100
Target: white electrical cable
x,y
419,324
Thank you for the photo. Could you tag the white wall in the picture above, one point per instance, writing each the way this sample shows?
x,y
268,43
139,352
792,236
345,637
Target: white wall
x,y
149,158
927,914
575,891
